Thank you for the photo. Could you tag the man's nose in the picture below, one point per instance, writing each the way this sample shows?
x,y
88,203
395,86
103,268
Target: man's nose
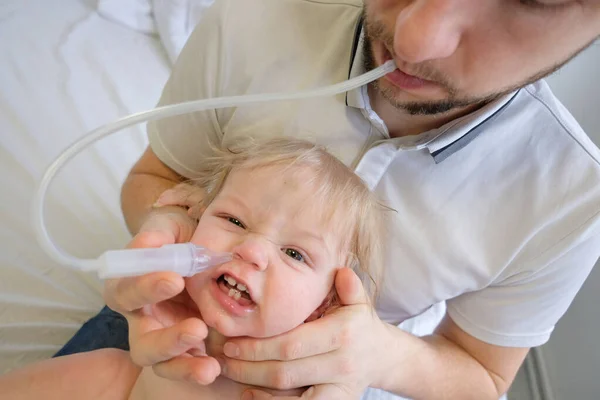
x,y
253,250
429,29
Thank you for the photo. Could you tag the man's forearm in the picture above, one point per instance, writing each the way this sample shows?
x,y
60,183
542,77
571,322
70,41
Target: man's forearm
x,y
148,179
436,368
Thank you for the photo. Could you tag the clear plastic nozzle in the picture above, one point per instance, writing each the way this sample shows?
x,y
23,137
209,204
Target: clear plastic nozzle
x,y
186,259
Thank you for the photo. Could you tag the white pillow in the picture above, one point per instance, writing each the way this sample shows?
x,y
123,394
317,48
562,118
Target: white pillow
x,y
134,14
175,21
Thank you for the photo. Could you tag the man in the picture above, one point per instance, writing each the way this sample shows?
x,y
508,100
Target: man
x,y
496,188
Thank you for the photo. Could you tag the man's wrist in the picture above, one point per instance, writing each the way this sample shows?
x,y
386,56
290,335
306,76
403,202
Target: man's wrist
x,y
401,351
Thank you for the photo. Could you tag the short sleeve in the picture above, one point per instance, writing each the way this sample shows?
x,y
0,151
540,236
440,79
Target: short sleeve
x,y
181,141
522,310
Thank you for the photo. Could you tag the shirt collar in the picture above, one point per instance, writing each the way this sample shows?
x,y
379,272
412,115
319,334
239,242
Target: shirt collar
x,y
355,98
457,134
441,142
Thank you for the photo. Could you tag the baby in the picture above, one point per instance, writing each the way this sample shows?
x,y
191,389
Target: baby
x,y
292,215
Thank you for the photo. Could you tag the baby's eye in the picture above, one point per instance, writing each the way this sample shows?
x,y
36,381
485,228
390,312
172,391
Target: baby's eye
x,y
236,221
294,254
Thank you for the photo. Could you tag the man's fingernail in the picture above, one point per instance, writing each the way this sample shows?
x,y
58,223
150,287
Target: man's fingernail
x,y
247,395
167,288
231,350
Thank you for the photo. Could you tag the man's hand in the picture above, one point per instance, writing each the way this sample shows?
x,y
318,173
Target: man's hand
x,y
339,355
164,331
185,195
345,352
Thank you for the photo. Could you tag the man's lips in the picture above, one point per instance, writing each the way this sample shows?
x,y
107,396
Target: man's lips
x,y
402,79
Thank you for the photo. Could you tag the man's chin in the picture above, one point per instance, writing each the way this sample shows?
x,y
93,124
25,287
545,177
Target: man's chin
x,y
413,105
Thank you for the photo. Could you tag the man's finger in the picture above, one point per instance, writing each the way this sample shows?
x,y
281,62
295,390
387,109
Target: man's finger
x,y
306,340
158,345
318,392
200,370
181,194
196,211
129,294
283,375
349,288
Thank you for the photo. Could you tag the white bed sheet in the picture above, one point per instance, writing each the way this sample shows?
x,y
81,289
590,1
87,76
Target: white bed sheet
x,y
64,70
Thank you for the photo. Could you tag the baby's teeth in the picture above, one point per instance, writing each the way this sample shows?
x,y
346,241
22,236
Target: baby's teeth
x,y
241,287
230,280
234,293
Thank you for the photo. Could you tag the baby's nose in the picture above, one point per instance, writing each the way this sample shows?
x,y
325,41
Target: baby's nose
x,y
254,250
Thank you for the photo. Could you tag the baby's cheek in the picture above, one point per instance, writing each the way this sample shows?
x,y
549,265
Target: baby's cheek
x,y
199,236
196,284
211,238
205,240
290,309
197,287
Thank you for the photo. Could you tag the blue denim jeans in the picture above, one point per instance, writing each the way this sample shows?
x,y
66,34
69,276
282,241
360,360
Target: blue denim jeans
x,y
108,329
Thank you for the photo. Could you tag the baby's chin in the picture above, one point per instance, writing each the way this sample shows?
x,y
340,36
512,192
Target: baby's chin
x,y
227,325
251,326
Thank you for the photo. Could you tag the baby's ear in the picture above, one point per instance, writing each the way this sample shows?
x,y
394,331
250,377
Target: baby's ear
x,y
330,303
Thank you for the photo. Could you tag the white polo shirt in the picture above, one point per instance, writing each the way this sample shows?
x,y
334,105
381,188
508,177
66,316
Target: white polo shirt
x,y
497,213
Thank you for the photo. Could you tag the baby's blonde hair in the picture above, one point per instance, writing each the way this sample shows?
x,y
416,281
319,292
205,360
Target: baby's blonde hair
x,y
340,190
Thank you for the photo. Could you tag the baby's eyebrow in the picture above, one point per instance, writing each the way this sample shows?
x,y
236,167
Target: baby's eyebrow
x,y
314,242
235,201
313,235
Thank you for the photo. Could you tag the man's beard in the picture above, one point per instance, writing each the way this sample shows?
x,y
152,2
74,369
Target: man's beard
x,y
432,107
374,30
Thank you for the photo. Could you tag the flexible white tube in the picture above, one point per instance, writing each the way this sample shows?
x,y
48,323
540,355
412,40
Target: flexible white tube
x,y
41,232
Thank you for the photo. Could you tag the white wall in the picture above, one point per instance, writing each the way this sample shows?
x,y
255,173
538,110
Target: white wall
x,y
572,356
578,87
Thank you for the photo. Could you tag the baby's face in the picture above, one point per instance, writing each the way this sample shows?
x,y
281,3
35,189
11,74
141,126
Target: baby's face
x,y
285,255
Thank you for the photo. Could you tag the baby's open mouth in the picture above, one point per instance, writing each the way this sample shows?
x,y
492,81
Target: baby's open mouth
x,y
235,290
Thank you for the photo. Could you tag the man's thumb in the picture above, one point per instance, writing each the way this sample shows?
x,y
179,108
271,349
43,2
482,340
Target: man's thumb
x,y
349,288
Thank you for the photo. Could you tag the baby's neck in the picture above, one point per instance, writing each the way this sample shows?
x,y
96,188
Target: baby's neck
x,y
214,348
